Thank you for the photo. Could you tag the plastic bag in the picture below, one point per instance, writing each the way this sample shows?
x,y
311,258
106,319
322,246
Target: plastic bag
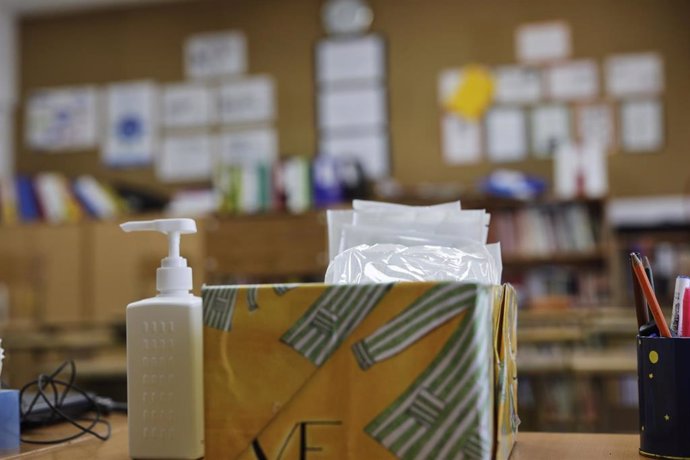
x,y
385,263
449,243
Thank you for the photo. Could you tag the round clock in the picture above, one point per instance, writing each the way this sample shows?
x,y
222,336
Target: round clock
x,y
346,16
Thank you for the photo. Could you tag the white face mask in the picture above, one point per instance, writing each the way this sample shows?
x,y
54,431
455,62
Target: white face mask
x,y
441,242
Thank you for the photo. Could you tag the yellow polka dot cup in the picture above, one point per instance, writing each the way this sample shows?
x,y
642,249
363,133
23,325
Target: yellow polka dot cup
x,y
663,368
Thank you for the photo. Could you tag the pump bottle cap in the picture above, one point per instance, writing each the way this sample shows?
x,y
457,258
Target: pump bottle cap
x,y
173,276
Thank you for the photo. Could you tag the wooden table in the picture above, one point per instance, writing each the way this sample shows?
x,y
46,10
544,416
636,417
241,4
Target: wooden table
x,y
530,446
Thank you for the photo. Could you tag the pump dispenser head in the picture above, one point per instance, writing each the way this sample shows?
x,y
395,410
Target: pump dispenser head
x,y
173,276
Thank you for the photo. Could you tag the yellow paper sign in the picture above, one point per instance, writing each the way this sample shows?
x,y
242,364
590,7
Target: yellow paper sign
x,y
474,93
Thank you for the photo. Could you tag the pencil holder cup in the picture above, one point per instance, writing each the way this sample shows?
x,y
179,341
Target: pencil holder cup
x,y
663,371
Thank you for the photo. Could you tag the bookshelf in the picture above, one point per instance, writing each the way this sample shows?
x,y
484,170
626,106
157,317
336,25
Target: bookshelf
x,y
668,248
555,252
577,370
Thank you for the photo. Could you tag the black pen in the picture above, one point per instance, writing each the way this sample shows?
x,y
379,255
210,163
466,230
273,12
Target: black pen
x,y
640,303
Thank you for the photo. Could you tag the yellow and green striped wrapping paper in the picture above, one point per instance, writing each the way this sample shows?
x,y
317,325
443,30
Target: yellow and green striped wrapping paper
x,y
384,371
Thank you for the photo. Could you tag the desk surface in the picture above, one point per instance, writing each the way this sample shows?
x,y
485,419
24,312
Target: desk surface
x,y
530,446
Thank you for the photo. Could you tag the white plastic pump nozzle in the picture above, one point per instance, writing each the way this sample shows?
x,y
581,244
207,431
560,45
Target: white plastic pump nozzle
x,y
173,276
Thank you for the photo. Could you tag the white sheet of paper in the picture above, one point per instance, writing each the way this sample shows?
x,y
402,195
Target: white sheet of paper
x,y
248,147
634,74
506,134
595,125
187,105
642,127
574,80
460,140
550,128
62,119
131,124
246,101
350,59
216,54
543,41
518,85
584,164
371,150
595,166
566,163
185,158
362,107
448,81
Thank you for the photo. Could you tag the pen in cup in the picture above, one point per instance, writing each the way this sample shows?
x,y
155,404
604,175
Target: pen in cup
x,y
640,303
684,315
682,282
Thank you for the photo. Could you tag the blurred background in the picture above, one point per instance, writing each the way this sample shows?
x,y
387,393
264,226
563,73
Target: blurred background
x,y
568,121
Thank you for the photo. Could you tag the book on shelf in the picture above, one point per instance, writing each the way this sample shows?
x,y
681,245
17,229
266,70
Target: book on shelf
x,y
542,231
51,197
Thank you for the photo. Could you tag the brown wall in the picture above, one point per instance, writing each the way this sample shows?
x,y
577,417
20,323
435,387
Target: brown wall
x,y
424,36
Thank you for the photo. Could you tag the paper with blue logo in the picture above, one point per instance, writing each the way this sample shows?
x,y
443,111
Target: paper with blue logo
x,y
62,119
131,124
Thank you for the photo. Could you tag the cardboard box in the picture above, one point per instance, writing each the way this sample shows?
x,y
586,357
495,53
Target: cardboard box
x,y
405,370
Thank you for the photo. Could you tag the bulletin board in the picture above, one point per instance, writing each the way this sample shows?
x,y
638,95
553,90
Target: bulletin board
x,y
423,38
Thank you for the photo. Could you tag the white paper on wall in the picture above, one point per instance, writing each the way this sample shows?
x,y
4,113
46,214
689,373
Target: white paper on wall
x,y
642,125
185,158
550,128
506,134
574,80
543,41
518,85
350,59
448,82
460,140
361,107
580,169
216,54
595,125
62,119
131,124
187,105
248,147
634,74
246,101
370,149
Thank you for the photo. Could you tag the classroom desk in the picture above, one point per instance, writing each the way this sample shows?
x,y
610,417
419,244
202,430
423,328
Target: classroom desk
x,y
530,446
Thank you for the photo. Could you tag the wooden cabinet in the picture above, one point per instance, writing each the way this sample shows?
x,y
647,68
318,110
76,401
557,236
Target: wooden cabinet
x,y
88,272
271,246
42,269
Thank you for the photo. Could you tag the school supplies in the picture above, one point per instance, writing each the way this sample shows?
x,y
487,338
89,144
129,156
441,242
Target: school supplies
x,y
682,282
640,304
648,291
684,317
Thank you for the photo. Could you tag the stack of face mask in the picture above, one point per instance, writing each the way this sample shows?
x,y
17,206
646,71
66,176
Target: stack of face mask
x,y
381,242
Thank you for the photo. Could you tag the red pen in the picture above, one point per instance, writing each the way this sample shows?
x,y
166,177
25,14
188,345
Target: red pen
x,y
684,323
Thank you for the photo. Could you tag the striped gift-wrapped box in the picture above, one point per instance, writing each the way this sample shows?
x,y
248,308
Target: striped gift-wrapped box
x,y
406,370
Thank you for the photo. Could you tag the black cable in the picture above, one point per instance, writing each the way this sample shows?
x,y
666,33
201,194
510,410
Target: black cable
x,y
54,399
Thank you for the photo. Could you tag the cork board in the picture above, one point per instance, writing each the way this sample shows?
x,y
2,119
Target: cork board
x,y
423,38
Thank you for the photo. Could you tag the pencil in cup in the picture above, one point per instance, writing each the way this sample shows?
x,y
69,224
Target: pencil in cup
x,y
648,291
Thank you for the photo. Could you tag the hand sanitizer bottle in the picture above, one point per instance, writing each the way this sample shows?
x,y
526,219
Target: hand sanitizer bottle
x,y
164,357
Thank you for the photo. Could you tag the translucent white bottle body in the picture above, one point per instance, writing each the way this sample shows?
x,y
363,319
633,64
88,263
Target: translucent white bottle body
x,y
165,377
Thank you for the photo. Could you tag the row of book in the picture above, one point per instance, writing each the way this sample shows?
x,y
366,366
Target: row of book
x,y
544,231
294,184
53,198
